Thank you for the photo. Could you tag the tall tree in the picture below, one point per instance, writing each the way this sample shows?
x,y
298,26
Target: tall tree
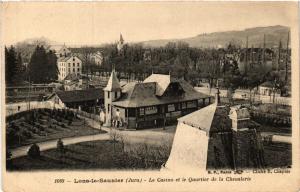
x,y
232,79
278,83
52,66
38,65
253,79
7,68
13,67
18,73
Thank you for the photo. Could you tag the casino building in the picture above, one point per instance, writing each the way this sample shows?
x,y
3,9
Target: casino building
x,y
157,101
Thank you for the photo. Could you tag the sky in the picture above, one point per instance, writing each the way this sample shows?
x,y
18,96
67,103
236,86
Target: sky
x,y
92,23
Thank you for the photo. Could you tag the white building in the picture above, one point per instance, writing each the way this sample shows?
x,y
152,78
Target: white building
x,y
61,50
69,65
96,58
112,92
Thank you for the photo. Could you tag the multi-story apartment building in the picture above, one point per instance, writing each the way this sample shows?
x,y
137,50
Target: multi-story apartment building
x,y
69,65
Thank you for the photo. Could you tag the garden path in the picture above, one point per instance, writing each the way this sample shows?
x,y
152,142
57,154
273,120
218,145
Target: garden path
x,y
153,137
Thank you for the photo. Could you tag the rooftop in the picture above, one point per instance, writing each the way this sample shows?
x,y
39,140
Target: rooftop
x,y
80,95
267,84
113,83
145,94
64,59
162,81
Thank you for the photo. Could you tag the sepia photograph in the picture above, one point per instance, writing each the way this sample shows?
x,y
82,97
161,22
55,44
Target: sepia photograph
x,y
149,86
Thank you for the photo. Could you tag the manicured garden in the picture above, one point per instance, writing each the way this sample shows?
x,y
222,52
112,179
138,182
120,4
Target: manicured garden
x,y
105,154
40,125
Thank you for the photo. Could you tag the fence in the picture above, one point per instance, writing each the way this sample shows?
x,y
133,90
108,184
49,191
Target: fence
x,y
95,117
245,94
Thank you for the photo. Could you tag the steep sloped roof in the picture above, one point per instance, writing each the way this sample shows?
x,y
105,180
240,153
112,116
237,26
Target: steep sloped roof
x,y
137,95
144,94
63,59
201,119
193,148
189,150
113,83
72,77
162,81
80,95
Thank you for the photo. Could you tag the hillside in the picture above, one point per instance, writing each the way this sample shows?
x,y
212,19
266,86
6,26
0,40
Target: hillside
x,y
221,39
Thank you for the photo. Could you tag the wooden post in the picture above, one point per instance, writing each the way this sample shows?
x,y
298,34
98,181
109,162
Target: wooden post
x,y
127,111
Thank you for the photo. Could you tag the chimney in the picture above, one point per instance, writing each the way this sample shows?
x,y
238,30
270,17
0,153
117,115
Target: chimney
x,y
240,118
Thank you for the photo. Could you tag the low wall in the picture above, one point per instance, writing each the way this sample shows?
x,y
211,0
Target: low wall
x,y
14,108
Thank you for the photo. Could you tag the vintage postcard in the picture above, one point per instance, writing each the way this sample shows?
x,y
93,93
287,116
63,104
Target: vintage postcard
x,y
150,96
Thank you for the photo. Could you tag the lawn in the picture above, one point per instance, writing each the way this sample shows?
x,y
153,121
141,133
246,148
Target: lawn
x,y
90,155
109,155
44,124
278,155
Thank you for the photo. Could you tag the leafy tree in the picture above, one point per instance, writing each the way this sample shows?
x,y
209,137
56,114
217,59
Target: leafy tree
x,y
38,65
34,151
60,146
18,73
8,72
52,66
253,78
42,66
278,82
232,79
13,67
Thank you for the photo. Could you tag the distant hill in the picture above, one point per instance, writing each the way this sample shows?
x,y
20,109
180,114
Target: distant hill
x,y
222,39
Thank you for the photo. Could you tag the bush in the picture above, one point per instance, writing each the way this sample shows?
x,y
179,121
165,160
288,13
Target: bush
x,y
42,133
27,134
60,146
34,151
35,130
70,122
39,127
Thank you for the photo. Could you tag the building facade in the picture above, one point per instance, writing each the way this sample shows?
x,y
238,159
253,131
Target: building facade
x,y
88,100
96,58
156,102
69,65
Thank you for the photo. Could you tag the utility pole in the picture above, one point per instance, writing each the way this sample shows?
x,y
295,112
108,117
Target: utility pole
x,y
287,57
264,52
246,57
279,55
251,59
29,92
